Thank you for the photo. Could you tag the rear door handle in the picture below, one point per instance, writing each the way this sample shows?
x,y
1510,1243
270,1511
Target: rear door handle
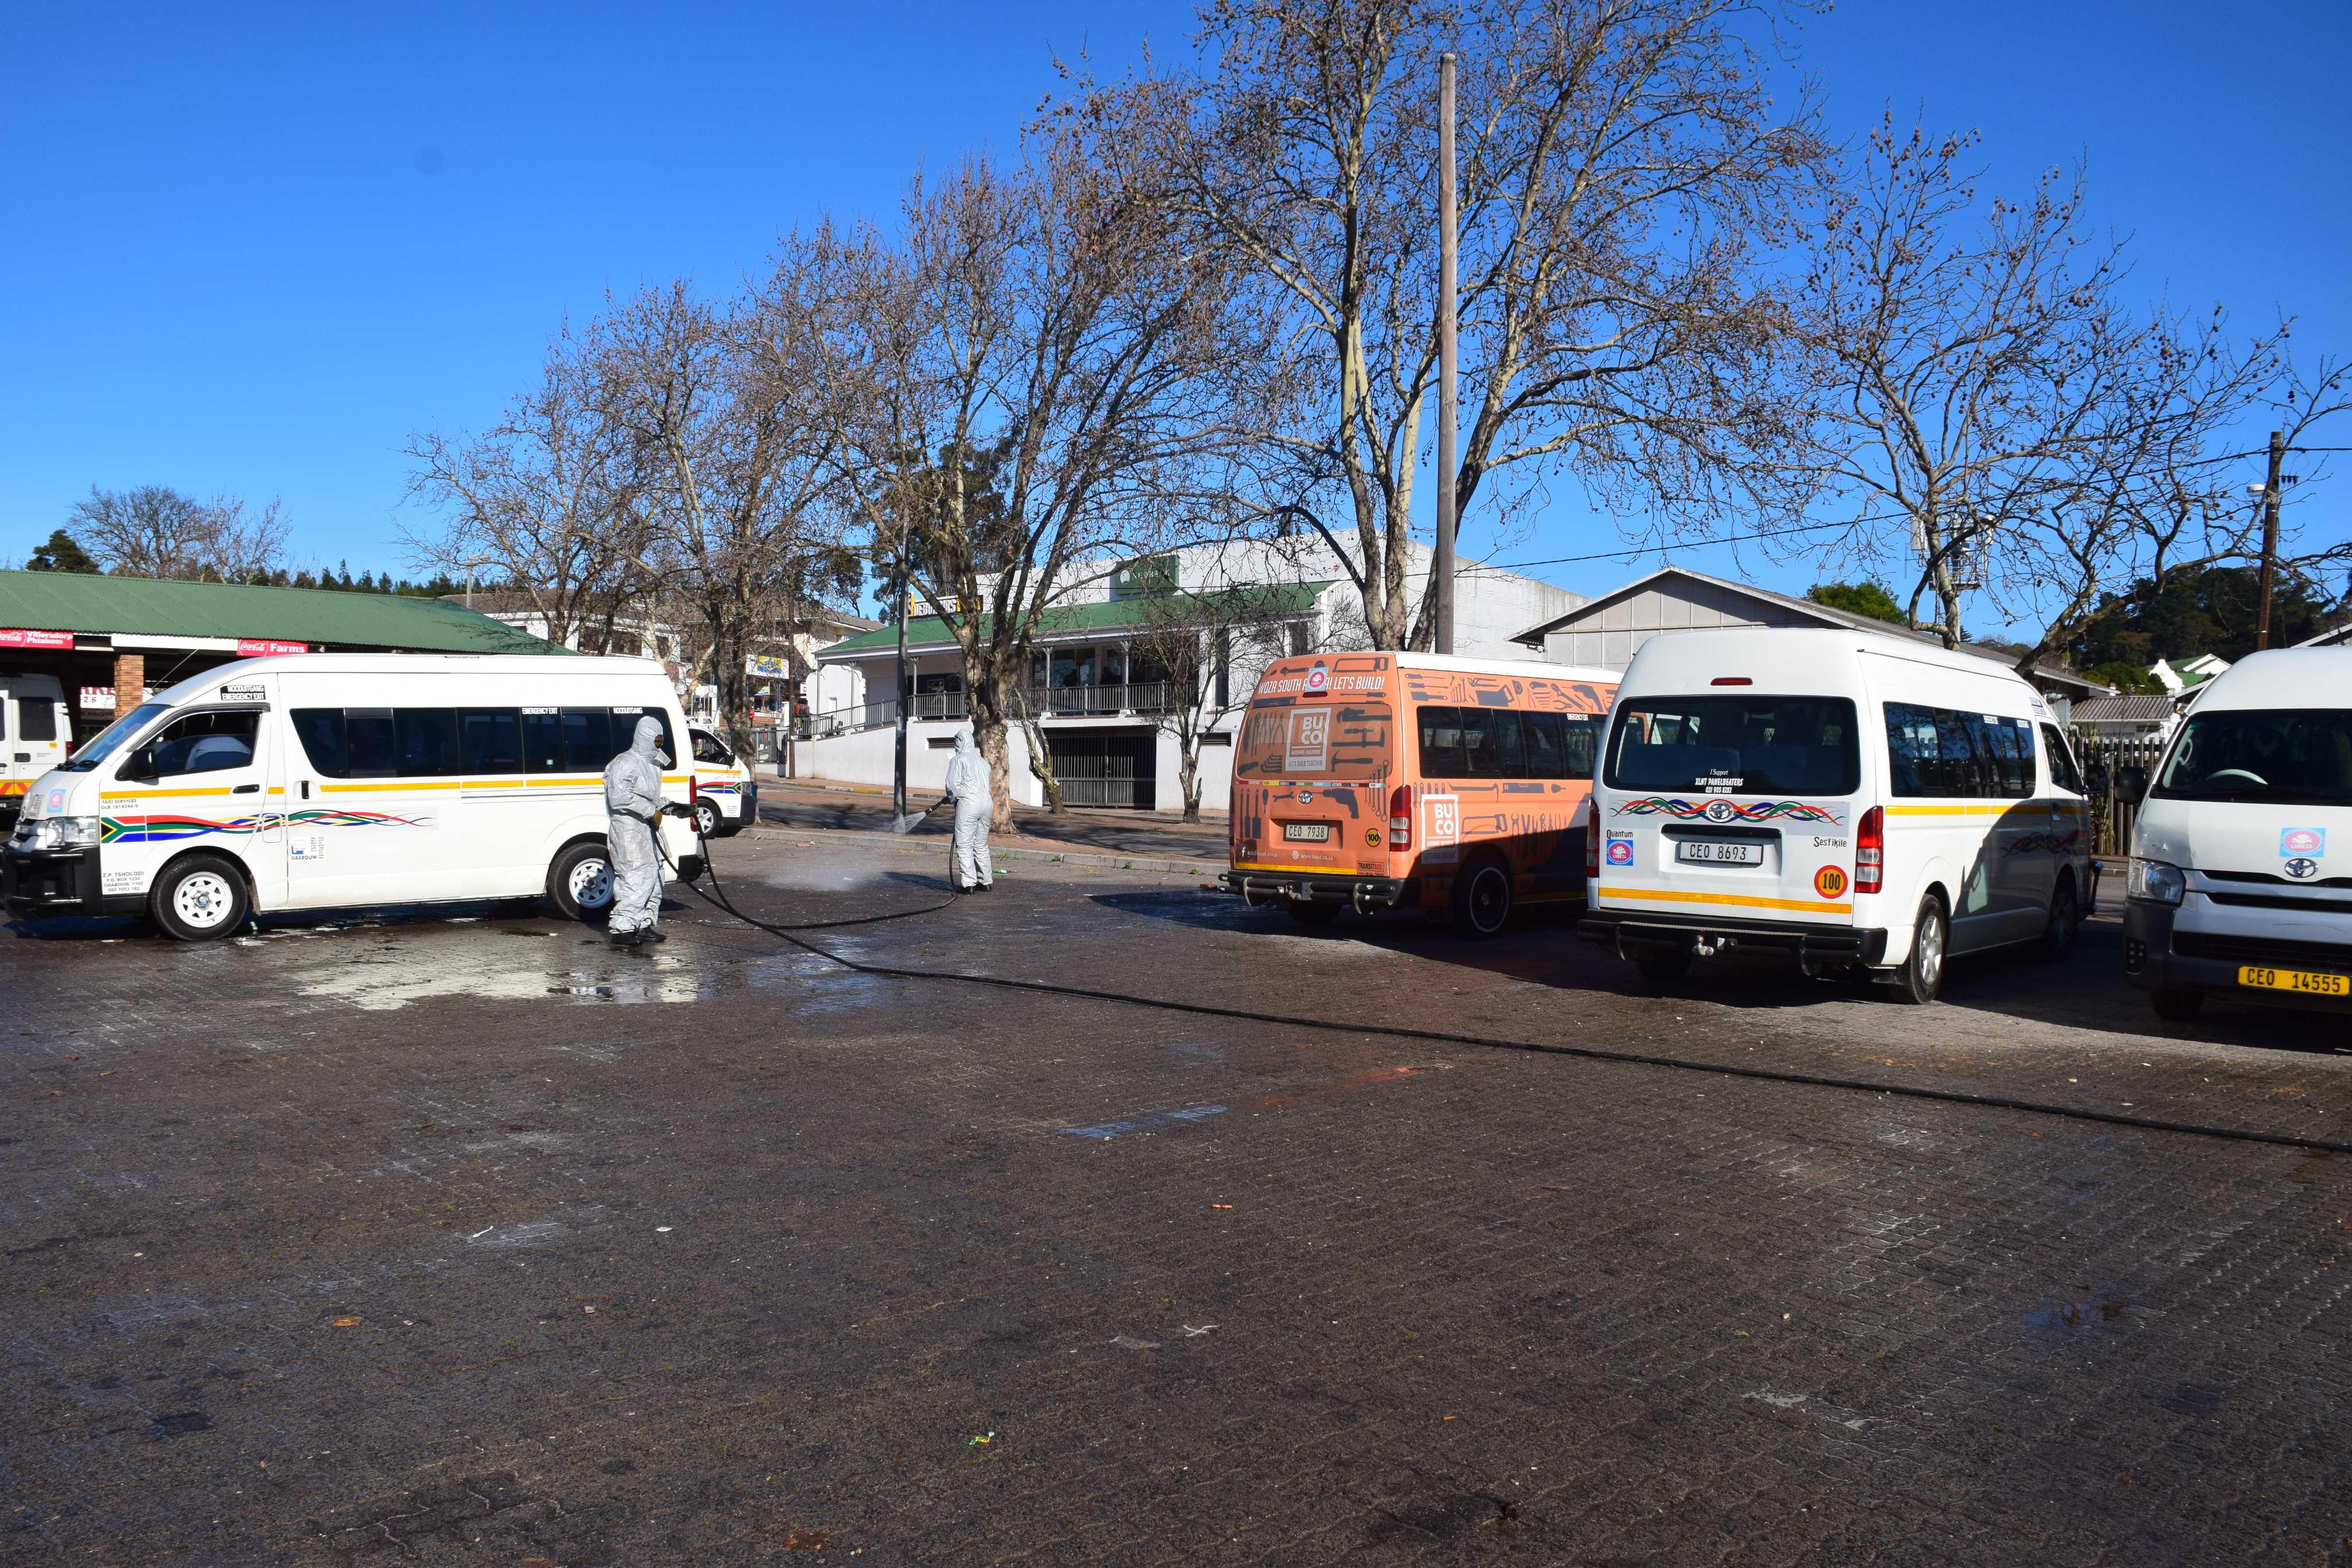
x,y
306,788
247,789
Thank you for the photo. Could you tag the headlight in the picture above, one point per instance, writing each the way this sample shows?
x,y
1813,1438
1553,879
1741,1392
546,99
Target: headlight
x,y
64,832
2155,881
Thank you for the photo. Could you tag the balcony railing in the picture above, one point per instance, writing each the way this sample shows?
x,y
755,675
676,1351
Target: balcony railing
x,y
1143,698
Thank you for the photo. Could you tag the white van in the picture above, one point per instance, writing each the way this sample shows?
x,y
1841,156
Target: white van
x,y
726,795
334,780
2241,859
1871,804
35,728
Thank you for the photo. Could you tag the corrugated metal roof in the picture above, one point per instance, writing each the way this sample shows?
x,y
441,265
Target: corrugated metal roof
x,y
69,601
2133,710
1064,619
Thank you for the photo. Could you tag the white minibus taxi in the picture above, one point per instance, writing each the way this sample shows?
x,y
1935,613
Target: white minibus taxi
x,y
336,779
2241,878
34,730
726,795
1871,804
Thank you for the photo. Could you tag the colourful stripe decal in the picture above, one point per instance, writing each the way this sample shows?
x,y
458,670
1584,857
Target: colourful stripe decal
x,y
1720,808
171,829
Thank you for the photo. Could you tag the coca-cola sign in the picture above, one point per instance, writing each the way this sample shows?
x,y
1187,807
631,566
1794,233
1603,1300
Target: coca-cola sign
x,y
18,637
260,647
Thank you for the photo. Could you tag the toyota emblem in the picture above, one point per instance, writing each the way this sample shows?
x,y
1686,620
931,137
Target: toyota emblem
x,y
1721,810
2300,870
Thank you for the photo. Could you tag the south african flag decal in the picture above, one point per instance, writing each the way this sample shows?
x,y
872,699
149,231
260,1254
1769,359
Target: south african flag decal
x,y
165,828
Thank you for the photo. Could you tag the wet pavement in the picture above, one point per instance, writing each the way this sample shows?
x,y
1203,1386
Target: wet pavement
x,y
454,1237
813,806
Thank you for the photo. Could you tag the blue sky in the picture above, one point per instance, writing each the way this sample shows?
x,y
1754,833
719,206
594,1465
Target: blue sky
x,y
254,248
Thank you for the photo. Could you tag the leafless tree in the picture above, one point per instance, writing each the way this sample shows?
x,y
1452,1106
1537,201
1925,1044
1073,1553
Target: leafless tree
x,y
1207,646
1031,371
733,458
1624,167
1984,392
153,530
545,502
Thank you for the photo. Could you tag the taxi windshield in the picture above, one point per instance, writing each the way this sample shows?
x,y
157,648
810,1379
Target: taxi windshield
x,y
111,740
2300,757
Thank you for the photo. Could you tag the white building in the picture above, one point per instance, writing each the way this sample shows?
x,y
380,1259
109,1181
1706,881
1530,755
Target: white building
x,y
1102,701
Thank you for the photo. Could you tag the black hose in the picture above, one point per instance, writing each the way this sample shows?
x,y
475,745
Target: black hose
x,y
1440,1036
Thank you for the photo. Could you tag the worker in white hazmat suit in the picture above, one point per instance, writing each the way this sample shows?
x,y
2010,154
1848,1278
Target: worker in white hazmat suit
x,y
968,787
633,795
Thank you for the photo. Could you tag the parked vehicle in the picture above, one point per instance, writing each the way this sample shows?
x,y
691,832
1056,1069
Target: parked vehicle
x,y
35,728
726,795
334,780
2240,879
1372,781
1871,806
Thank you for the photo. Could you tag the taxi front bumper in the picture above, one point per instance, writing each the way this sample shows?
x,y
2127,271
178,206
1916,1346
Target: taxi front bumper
x,y
38,883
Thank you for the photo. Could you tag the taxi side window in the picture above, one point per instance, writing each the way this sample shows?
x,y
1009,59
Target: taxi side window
x,y
206,743
2063,771
37,718
708,749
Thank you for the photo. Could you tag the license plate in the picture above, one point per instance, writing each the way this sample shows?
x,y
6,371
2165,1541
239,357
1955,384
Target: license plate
x,y
1308,833
2302,980
1711,853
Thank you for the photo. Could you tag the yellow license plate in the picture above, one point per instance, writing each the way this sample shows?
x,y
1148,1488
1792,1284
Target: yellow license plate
x,y
2301,980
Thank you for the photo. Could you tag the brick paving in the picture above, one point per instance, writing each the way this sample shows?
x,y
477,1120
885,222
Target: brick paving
x,y
414,1239
795,804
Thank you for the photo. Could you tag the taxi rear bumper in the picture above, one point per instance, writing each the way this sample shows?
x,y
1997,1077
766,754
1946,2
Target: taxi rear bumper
x,y
1361,894
1628,930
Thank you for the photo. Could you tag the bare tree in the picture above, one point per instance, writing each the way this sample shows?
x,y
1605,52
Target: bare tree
x,y
1207,646
1985,393
1623,166
545,502
1033,371
733,457
153,530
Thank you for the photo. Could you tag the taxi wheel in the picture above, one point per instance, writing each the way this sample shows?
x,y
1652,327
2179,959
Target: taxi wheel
x,y
706,820
1921,978
199,899
579,883
2066,923
1312,913
1482,899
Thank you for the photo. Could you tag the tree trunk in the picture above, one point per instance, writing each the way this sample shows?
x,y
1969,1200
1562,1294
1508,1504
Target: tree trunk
x,y
984,694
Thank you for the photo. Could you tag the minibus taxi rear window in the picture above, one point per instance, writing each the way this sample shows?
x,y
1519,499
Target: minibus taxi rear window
x,y
2299,757
1749,744
1361,738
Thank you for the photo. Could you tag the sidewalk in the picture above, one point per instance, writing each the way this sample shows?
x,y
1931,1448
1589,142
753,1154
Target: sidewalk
x,y
1145,840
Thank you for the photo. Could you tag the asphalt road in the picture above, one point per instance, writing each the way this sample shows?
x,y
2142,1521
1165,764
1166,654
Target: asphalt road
x,y
454,1237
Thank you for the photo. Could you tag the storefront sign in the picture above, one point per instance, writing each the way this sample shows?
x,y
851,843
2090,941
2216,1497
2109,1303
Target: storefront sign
x,y
101,699
258,647
767,665
17,637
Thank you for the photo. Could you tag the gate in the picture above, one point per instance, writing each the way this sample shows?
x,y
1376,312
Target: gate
x,y
1103,767
2117,772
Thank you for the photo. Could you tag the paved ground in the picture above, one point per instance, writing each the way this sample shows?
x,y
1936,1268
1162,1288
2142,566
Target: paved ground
x,y
795,804
461,1240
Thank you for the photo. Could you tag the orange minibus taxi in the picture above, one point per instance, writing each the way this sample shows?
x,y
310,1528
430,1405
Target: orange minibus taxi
x,y
1370,781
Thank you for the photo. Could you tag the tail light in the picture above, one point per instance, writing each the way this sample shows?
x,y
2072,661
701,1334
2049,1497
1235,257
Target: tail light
x,y
693,788
1591,839
1870,852
1401,816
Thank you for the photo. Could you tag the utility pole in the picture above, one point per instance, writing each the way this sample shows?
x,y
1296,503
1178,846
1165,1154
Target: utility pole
x,y
1441,571
2269,541
898,773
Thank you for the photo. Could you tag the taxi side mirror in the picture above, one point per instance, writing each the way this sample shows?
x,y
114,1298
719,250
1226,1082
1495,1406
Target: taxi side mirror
x,y
140,767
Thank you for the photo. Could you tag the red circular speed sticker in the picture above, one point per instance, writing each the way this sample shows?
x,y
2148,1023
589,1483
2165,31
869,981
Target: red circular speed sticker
x,y
1830,882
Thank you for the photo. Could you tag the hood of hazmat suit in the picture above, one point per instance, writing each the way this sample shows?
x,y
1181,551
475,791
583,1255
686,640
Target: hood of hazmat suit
x,y
968,783
633,795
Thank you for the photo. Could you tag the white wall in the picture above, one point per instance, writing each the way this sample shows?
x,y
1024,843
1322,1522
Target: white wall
x,y
871,756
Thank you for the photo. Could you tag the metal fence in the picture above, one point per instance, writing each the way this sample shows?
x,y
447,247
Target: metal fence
x,y
2117,770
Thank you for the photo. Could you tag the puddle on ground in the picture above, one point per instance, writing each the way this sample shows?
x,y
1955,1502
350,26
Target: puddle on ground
x,y
404,975
2089,1309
